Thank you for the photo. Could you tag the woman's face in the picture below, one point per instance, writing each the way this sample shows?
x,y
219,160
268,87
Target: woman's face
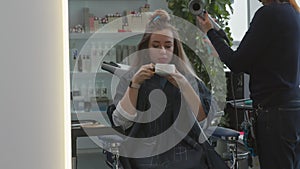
x,y
161,46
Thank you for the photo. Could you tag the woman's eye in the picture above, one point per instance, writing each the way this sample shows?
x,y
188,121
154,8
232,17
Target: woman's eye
x,y
168,47
155,46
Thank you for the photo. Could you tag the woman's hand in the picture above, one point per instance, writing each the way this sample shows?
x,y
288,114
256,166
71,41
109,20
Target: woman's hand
x,y
176,78
191,97
204,23
145,72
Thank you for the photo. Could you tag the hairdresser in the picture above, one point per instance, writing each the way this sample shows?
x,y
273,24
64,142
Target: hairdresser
x,y
270,53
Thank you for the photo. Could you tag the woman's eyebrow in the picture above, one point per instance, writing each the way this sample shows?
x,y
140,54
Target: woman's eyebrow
x,y
156,41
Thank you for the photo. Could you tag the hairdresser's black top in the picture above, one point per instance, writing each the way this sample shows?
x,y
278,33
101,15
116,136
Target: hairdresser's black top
x,y
269,53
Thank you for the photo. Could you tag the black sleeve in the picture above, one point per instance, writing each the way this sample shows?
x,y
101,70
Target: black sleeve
x,y
252,45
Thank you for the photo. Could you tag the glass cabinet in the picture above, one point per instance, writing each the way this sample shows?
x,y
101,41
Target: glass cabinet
x,y
100,31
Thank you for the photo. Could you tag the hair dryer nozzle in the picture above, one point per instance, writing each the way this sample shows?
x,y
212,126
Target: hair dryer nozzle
x,y
196,7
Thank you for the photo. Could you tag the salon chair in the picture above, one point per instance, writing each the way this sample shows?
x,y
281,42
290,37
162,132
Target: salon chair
x,y
225,141
220,135
111,144
236,152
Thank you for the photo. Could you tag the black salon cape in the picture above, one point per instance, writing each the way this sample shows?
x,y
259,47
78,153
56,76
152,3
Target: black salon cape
x,y
175,103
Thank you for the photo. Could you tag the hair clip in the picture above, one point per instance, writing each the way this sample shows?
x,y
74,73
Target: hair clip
x,y
157,17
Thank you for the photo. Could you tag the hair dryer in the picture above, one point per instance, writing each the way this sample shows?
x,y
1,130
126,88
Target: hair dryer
x,y
196,7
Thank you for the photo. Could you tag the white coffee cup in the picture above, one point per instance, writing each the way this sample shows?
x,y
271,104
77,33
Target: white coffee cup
x,y
164,69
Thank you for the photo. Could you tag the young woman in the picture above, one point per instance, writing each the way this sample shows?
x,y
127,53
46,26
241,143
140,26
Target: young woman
x,y
270,54
149,104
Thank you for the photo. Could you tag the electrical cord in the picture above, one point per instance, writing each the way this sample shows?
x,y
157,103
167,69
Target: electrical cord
x,y
234,101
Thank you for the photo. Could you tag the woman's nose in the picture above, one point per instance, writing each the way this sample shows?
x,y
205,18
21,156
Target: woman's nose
x,y
163,50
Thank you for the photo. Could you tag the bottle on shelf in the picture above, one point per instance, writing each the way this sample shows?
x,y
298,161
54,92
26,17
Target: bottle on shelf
x,y
77,99
79,64
86,64
95,57
119,53
91,89
73,56
83,63
99,55
78,103
86,99
75,91
92,95
111,54
87,105
102,97
125,54
103,89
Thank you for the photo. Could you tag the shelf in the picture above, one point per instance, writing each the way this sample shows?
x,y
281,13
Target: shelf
x,y
105,35
79,35
105,0
89,75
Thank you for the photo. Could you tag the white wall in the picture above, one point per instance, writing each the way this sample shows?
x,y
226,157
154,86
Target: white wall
x,y
254,5
31,72
243,11
238,20
242,15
